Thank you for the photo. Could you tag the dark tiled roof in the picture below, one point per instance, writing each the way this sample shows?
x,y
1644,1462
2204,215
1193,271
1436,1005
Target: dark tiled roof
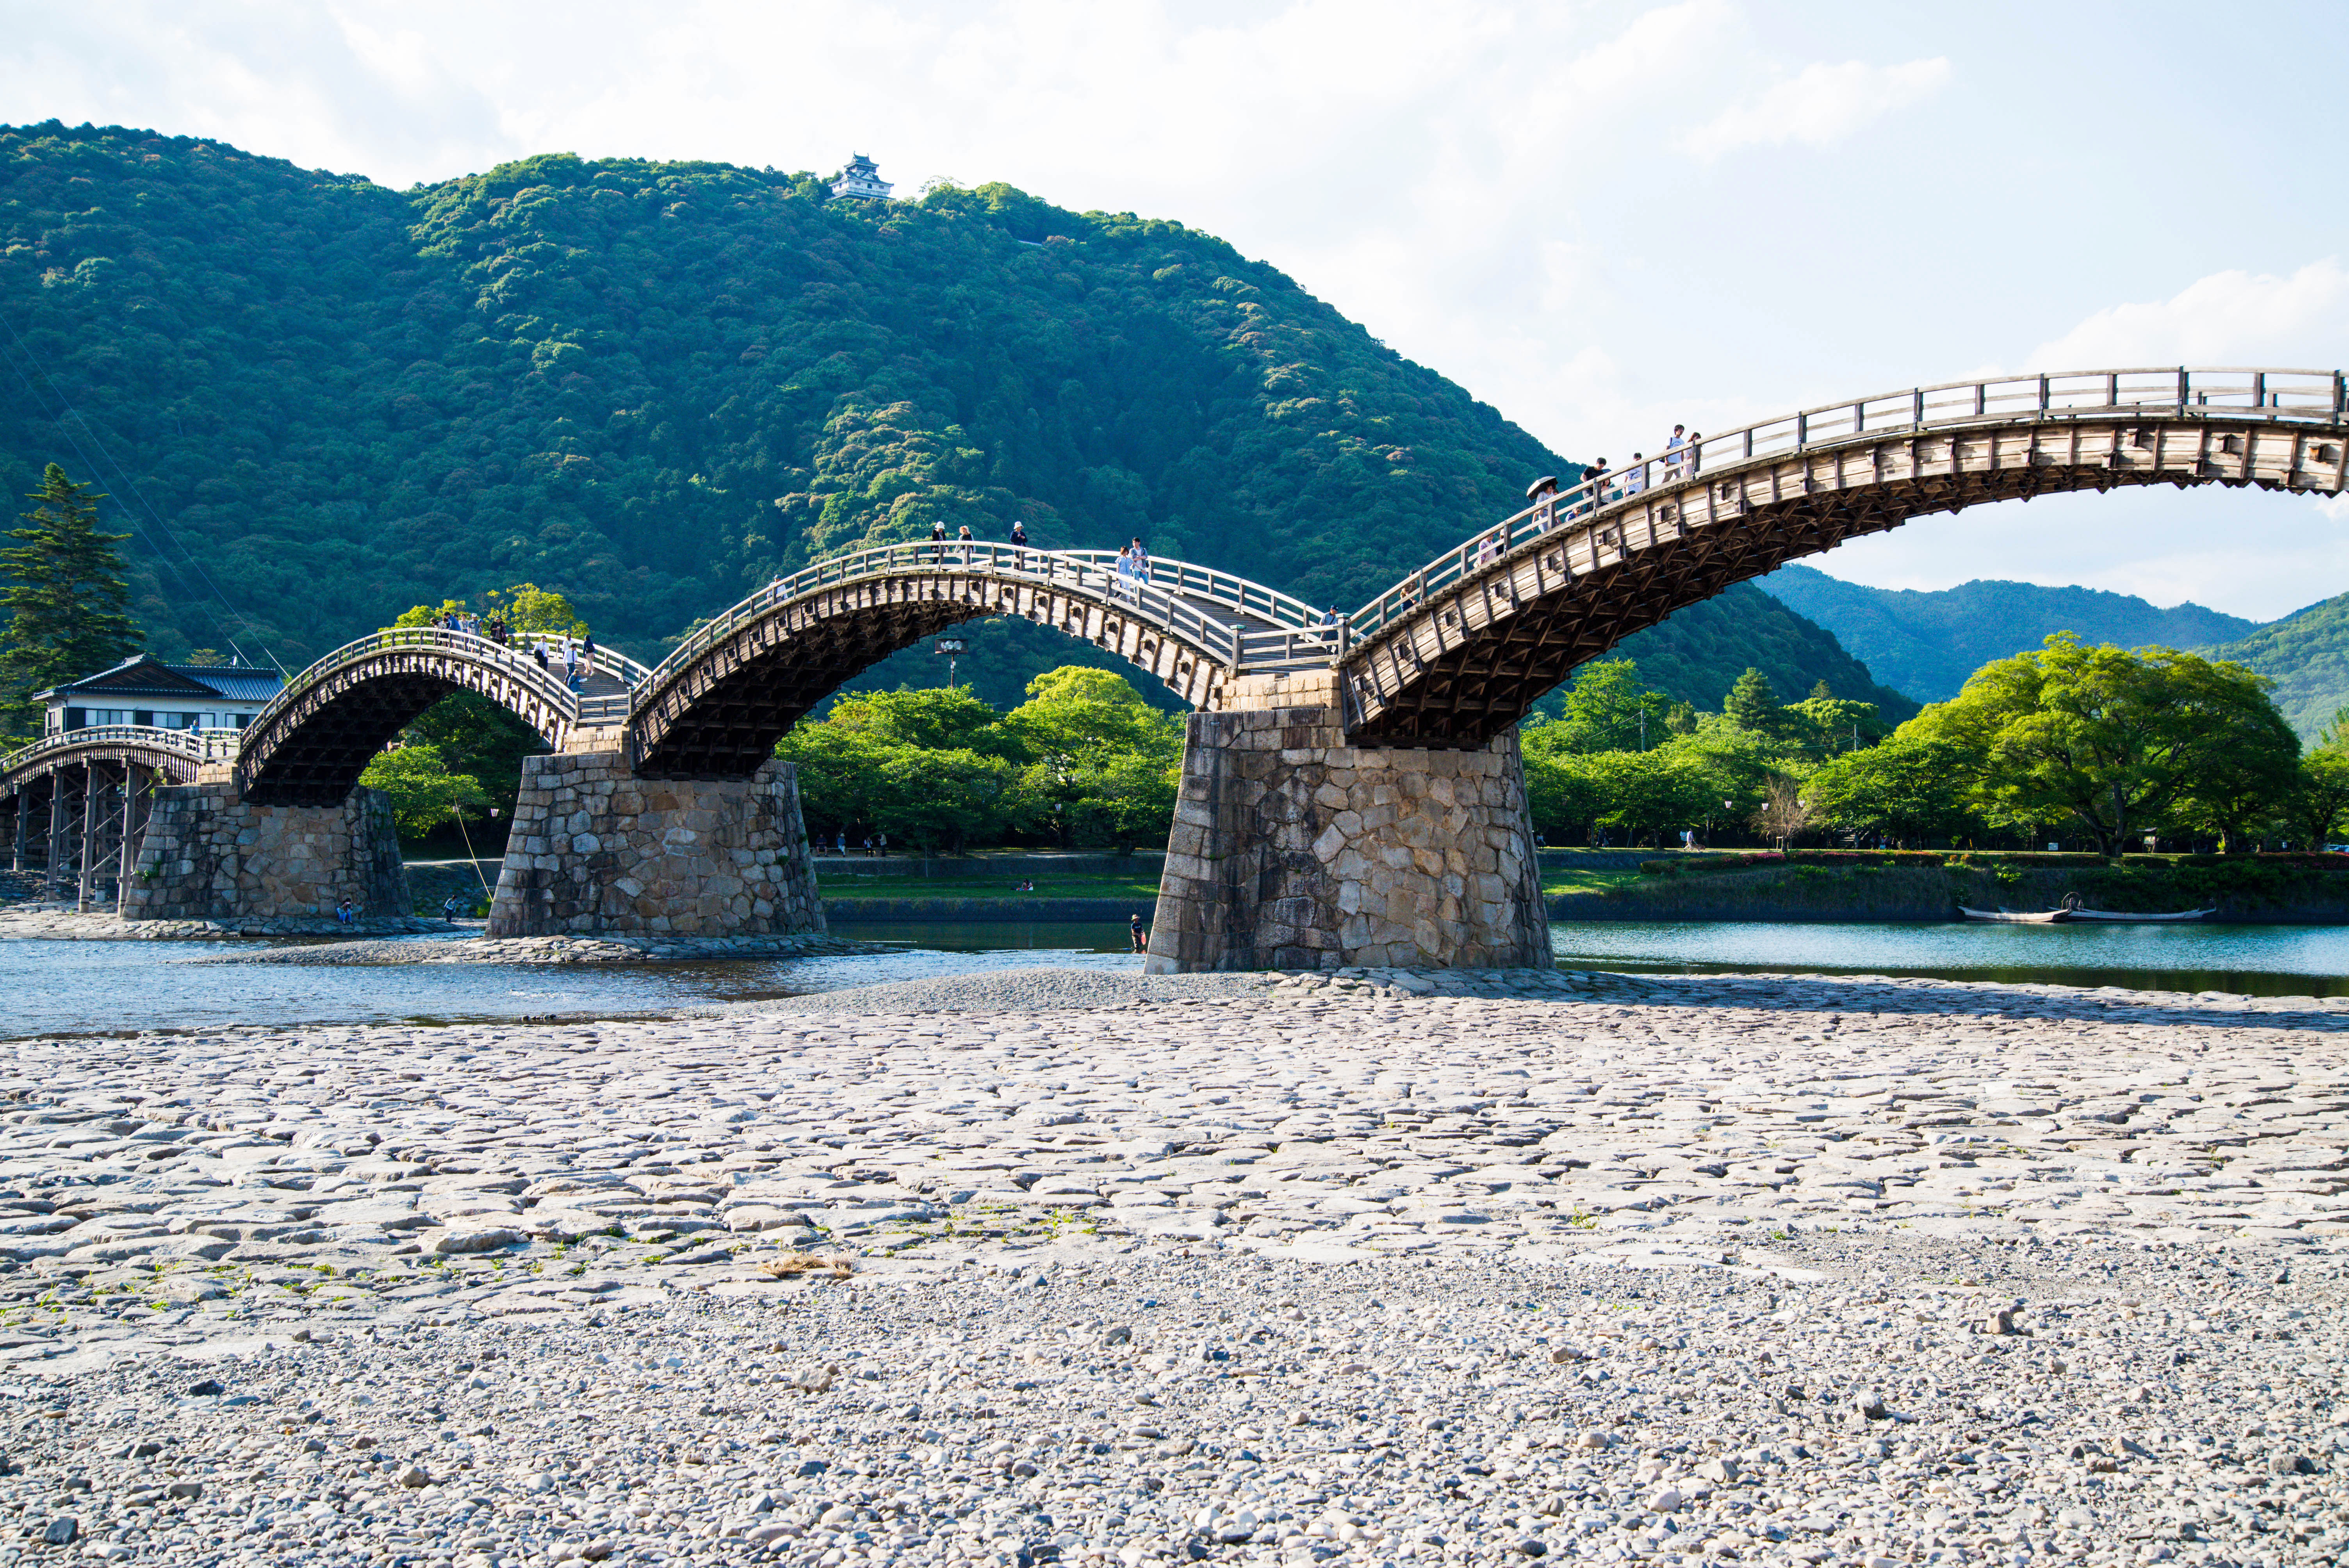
x,y
144,677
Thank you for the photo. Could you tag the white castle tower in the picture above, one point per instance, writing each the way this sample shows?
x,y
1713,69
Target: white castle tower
x,y
862,179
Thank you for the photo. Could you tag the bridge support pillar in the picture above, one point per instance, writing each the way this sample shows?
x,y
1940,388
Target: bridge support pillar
x,y
597,850
1293,849
209,854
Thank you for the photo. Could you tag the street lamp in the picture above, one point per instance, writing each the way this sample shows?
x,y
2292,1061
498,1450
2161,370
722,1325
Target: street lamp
x,y
950,649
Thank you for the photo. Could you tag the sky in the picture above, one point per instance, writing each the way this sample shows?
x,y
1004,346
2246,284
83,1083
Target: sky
x,y
1600,218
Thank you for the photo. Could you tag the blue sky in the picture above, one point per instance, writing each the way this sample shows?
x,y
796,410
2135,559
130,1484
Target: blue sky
x,y
1602,218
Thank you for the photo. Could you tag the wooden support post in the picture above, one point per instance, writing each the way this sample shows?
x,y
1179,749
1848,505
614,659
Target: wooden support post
x,y
24,814
124,856
57,832
83,882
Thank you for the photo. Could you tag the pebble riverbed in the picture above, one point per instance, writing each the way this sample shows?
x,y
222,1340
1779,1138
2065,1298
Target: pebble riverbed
x,y
1380,1268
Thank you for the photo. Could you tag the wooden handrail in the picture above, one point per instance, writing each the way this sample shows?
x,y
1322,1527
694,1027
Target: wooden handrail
x,y
2317,395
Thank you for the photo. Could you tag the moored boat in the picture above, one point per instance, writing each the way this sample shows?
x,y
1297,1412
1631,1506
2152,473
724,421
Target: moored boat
x,y
2010,917
2119,917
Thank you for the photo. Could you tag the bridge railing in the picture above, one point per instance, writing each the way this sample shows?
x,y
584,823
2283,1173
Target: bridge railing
x,y
2168,391
516,661
1165,595
194,745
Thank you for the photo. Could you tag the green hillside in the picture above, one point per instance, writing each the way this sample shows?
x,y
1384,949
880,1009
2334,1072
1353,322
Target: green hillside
x,y
1698,654
2306,653
1927,644
652,386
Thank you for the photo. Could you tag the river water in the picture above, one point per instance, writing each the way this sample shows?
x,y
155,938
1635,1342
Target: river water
x,y
79,988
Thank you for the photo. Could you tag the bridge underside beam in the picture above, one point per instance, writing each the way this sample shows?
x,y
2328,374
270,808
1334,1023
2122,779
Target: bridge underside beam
x,y
319,759
721,718
1480,652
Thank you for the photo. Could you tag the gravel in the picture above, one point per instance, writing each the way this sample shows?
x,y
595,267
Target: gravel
x,y
1667,1269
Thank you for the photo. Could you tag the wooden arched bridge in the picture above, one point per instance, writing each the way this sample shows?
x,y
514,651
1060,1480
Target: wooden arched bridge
x,y
1443,664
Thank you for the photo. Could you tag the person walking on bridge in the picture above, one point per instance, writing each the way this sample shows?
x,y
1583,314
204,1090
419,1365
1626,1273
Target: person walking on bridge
x,y
1542,496
1635,478
1019,545
1675,450
965,540
938,542
1594,487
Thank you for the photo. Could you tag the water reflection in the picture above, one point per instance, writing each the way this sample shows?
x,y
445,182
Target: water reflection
x,y
2246,960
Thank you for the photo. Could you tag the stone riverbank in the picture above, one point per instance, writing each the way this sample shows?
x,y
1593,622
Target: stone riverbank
x,y
1668,1269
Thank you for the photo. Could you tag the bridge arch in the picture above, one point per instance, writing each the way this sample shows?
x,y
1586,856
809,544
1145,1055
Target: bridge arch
x,y
310,745
1458,652
716,705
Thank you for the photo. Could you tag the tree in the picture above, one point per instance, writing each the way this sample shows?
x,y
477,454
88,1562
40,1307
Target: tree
x,y
1819,727
941,718
1079,715
1905,789
1644,792
68,602
945,799
1784,814
1751,704
424,796
525,607
2112,740
1609,708
2319,799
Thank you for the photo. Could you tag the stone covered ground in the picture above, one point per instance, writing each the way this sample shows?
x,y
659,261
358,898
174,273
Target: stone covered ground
x,y
1673,1269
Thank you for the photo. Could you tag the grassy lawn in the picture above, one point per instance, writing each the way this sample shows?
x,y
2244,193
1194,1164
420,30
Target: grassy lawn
x,y
1130,888
1554,882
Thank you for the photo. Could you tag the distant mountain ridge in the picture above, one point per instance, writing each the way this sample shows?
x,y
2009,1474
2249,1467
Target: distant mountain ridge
x,y
1927,643
2306,653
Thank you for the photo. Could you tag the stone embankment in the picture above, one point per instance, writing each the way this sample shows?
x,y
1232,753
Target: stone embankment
x,y
1807,893
1680,1269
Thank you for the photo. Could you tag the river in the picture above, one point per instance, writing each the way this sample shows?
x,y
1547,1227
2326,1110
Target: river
x,y
82,987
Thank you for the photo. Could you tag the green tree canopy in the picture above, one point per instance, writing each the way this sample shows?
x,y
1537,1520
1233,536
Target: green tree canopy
x,y
1076,715
1752,705
68,604
424,796
942,718
1907,789
2112,742
1604,709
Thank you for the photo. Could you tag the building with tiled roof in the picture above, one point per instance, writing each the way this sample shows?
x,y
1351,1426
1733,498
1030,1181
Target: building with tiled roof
x,y
146,690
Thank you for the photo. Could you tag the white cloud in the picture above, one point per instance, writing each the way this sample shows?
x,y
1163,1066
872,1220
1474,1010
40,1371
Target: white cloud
x,y
1823,104
2228,318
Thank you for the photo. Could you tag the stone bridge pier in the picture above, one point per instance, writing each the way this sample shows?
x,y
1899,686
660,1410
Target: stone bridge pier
x,y
596,849
211,855
1294,849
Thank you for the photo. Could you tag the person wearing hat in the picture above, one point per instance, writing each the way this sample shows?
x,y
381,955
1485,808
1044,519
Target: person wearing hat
x,y
1541,495
1140,938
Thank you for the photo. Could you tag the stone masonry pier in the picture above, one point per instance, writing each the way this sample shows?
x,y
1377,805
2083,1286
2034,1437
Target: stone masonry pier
x,y
596,849
210,854
1292,849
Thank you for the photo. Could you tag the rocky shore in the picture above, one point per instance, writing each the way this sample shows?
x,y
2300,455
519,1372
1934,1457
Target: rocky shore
x,y
1374,1268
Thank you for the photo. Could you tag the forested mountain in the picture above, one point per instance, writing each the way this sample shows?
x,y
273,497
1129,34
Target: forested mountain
x,y
1927,644
652,386
2306,653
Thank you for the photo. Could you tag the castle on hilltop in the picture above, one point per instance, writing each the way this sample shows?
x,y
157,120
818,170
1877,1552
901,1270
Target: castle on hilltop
x,y
861,178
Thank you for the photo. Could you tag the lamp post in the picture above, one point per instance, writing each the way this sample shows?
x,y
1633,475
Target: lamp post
x,y
950,649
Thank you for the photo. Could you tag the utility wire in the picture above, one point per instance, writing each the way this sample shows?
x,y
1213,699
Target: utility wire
x,y
124,482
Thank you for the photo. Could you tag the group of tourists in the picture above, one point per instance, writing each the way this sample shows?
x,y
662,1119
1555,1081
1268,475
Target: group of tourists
x,y
1133,571
575,656
1600,485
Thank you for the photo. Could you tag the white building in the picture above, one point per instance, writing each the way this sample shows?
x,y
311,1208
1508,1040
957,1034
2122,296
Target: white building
x,y
862,179
146,690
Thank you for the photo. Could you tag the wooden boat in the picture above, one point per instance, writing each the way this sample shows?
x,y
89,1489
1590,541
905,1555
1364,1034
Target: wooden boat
x,y
2118,918
2009,917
